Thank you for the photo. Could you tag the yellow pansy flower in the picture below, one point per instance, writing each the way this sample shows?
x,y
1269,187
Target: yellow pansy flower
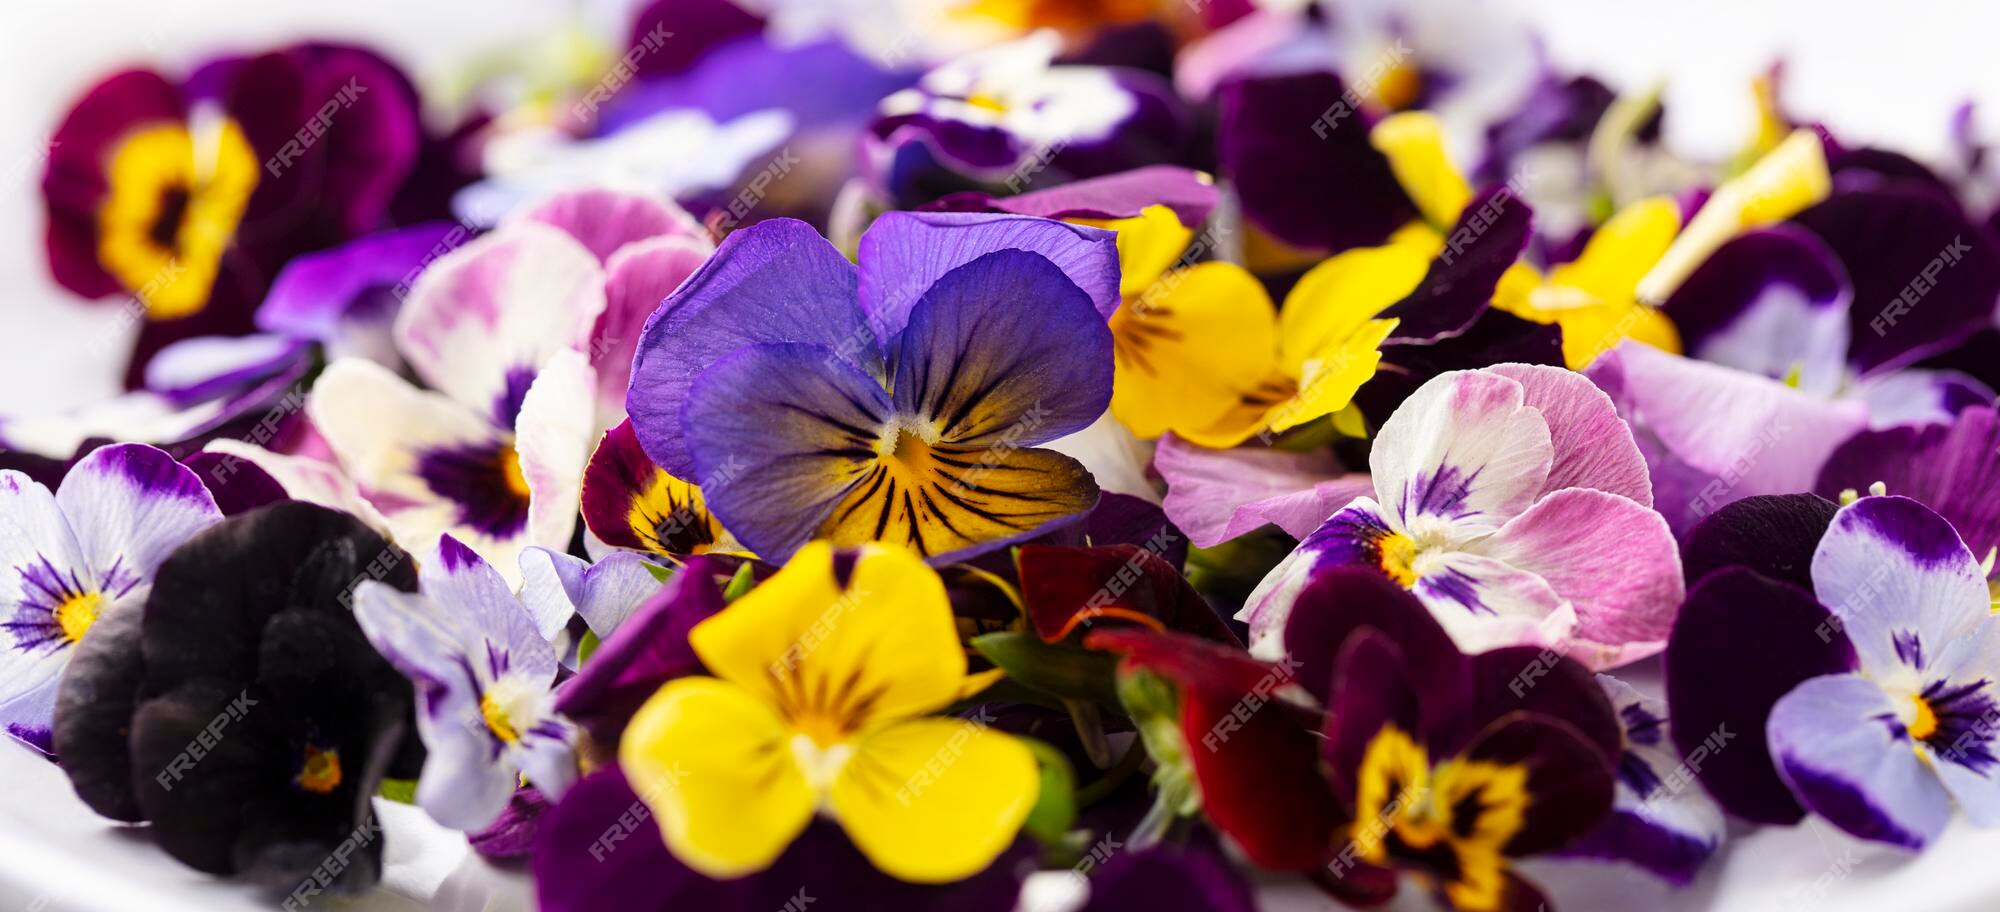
x,y
824,676
1201,351
1594,299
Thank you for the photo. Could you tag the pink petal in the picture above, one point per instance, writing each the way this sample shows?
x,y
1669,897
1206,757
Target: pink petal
x,y
1217,495
1593,446
1614,560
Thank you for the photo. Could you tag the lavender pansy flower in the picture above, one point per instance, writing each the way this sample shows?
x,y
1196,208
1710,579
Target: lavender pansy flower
x,y
68,557
1876,715
1512,501
901,400
1951,468
556,586
483,672
1712,435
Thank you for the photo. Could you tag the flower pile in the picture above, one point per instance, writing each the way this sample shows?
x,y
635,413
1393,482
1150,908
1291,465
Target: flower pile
x,y
1148,449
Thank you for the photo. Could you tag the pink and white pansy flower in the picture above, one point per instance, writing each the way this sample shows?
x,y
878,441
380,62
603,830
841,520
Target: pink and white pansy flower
x,y
510,334
68,557
1514,503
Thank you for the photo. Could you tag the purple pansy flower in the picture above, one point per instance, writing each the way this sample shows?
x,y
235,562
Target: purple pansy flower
x,y
556,586
504,331
1514,503
901,400
68,557
1871,696
1006,114
347,297
483,672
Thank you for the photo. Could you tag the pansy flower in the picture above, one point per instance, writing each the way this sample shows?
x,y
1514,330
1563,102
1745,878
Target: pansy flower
x,y
247,649
190,214
1848,297
899,401
798,724
72,555
502,330
1661,821
1006,114
1423,759
1485,482
631,503
1951,468
1874,690
482,669
1713,434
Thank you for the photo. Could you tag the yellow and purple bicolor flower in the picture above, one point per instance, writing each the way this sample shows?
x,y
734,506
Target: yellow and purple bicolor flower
x,y
633,504
900,401
798,724
190,214
504,331
1514,503
1863,676
483,668
71,556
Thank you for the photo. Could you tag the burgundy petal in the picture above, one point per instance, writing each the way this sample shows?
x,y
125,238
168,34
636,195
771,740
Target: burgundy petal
x,y
1773,534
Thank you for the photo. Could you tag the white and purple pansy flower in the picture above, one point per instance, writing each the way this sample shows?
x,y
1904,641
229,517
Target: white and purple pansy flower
x,y
1660,820
68,557
903,399
1843,301
1007,113
503,331
1513,502
1874,694
483,672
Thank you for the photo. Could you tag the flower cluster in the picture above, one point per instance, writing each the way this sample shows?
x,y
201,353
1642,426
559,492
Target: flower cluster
x,y
1153,448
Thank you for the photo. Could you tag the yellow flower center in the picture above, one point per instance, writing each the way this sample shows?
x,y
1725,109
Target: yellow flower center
x,y
172,210
1925,723
510,471
1399,554
496,718
986,102
321,772
77,613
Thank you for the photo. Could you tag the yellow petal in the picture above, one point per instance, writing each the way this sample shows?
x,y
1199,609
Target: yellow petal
x,y
935,800
1623,250
1793,176
937,498
1414,143
1248,416
1591,331
837,659
1335,299
1328,378
1185,350
1148,245
715,764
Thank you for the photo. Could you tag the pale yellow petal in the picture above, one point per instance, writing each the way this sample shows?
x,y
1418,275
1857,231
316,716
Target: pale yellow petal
x,y
1340,296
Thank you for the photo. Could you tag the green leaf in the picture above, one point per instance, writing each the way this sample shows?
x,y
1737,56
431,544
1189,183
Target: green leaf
x,y
738,584
1154,707
399,790
659,573
1055,808
587,646
1053,668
